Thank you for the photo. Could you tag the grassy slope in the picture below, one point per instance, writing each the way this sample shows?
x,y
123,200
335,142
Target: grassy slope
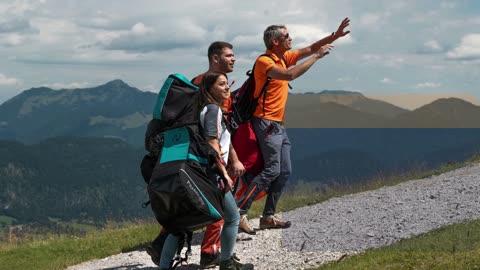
x,y
57,252
453,247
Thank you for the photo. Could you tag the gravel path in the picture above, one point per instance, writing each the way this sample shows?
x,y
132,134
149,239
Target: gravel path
x,y
343,226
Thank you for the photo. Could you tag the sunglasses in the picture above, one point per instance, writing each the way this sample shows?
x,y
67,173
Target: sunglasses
x,y
287,36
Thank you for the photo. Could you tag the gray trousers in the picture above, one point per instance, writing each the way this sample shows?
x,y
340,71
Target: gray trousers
x,y
275,147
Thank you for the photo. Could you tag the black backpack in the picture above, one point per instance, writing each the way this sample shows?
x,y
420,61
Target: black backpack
x,y
182,196
244,102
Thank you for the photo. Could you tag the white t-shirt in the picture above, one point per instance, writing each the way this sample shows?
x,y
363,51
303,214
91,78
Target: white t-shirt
x,y
211,120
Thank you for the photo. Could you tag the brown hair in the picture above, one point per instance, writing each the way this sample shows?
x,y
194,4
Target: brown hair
x,y
206,85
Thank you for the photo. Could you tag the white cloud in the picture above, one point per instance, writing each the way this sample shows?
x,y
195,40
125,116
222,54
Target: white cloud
x,y
19,7
72,85
141,29
469,48
305,34
387,81
392,60
185,34
5,81
12,39
448,5
344,79
370,19
88,41
58,31
432,46
150,88
427,85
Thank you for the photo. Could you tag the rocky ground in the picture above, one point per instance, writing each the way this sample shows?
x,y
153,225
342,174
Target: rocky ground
x,y
343,226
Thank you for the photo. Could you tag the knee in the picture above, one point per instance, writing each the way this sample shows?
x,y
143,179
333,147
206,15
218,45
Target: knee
x,y
235,218
232,219
287,171
269,175
231,214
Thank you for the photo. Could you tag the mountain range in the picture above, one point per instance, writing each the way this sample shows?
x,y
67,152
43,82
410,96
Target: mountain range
x,y
75,154
116,109
354,110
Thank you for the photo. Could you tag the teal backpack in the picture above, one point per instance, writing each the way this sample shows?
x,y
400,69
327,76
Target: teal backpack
x,y
182,195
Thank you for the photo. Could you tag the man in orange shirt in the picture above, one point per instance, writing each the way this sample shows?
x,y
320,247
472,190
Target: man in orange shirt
x,y
270,112
220,59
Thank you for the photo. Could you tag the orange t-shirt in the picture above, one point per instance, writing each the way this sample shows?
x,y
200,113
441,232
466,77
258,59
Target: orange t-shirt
x,y
227,104
277,92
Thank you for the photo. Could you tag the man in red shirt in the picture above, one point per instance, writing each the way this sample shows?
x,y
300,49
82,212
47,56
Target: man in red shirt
x,y
220,59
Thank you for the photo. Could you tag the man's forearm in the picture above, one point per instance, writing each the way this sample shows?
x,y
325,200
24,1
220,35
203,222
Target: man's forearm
x,y
324,41
316,46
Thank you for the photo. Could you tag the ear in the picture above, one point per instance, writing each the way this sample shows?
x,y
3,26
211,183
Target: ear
x,y
275,42
215,58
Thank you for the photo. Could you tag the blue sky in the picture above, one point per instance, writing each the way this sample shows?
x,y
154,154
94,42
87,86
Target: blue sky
x,y
395,47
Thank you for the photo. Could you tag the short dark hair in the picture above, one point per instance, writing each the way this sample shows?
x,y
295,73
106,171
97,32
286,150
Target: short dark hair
x,y
216,48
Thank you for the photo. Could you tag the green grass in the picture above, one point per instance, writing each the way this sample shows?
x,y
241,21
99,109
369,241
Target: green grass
x,y
58,252
6,221
452,247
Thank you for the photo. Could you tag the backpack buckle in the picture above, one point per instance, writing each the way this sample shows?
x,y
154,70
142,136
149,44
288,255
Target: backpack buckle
x,y
233,123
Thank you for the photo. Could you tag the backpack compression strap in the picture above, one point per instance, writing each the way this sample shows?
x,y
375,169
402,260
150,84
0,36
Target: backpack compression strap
x,y
178,260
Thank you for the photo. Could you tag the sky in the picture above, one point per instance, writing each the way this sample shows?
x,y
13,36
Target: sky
x,y
395,47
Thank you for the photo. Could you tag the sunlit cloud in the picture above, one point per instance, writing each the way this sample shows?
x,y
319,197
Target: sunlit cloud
x,y
73,85
469,48
387,81
427,85
5,81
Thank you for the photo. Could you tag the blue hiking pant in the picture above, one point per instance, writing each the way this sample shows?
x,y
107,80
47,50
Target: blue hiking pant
x,y
227,237
275,147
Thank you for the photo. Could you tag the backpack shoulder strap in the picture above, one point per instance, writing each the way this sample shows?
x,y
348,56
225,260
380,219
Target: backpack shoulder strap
x,y
263,92
195,79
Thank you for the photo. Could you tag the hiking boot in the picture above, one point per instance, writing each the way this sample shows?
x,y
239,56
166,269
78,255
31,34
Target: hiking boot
x,y
209,260
244,226
273,222
154,255
233,264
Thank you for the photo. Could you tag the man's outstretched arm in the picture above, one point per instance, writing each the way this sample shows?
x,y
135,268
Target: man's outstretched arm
x,y
307,51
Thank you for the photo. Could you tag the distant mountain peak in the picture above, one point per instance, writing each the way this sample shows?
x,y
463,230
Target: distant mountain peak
x,y
339,92
116,84
38,90
35,91
452,100
448,102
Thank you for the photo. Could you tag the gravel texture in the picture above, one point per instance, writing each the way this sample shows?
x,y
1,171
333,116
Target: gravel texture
x,y
343,226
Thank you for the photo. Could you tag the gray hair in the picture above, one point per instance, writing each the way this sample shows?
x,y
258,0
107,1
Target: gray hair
x,y
272,32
